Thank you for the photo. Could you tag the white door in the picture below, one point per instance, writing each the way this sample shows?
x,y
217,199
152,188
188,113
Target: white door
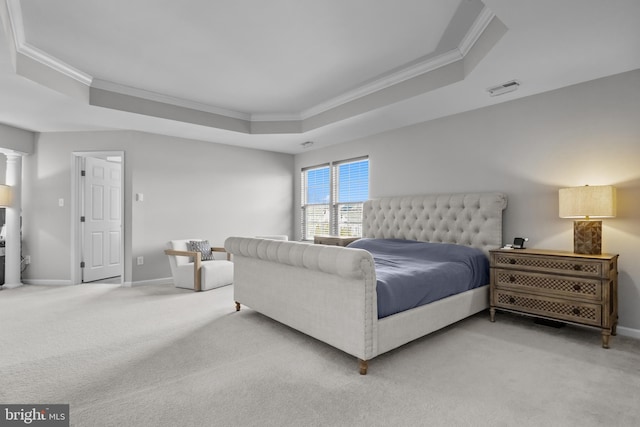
x,y
102,229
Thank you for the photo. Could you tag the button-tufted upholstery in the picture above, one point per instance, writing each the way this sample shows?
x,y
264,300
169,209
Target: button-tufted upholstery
x,y
466,219
329,292
351,263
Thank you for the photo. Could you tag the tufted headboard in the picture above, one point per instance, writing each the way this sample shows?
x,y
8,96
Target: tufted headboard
x,y
471,219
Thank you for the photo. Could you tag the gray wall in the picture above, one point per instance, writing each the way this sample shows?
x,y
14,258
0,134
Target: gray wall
x,y
14,139
528,148
3,169
584,134
191,189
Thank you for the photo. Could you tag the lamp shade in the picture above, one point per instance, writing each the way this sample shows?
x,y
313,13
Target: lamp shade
x,y
5,196
598,201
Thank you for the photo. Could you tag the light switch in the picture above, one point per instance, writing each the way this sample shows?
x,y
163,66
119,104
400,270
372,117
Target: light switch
x,y
140,197
61,202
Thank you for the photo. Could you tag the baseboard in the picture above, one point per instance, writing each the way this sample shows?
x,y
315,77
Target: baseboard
x,y
628,332
163,281
12,286
46,282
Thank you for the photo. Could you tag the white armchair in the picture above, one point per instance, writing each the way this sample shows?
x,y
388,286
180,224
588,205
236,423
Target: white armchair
x,y
189,271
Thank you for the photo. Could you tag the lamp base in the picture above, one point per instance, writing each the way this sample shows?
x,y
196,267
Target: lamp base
x,y
587,237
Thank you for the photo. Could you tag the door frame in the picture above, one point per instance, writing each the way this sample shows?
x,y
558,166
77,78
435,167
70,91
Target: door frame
x,y
77,158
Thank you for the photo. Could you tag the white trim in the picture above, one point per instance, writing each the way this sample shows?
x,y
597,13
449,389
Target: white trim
x,y
628,332
76,210
389,80
24,48
393,78
15,18
41,282
46,282
76,235
12,285
476,30
44,58
479,25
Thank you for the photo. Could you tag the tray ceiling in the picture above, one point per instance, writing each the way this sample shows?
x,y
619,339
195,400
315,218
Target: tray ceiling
x,y
252,72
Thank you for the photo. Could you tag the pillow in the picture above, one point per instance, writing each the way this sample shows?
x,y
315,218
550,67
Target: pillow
x,y
201,246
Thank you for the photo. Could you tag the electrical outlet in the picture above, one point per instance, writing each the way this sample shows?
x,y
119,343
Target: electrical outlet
x,y
27,259
140,260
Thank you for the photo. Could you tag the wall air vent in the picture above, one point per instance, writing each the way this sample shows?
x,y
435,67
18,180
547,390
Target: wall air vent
x,y
503,88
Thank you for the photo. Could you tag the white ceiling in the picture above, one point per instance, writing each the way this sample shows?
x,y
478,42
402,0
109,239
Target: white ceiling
x,y
272,75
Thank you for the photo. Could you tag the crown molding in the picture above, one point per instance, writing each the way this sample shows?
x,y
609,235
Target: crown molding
x,y
477,28
408,71
15,19
44,58
24,48
384,82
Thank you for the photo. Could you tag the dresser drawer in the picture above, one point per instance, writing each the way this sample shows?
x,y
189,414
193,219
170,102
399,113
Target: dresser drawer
x,y
559,265
562,286
589,314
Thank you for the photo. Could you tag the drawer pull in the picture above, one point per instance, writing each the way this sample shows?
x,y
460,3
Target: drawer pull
x,y
576,311
512,261
512,279
512,300
577,267
577,288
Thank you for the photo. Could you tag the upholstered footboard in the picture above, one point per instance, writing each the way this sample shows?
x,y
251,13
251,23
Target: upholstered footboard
x,y
327,292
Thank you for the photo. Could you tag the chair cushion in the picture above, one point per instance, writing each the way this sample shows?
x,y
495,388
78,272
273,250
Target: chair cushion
x,y
179,245
202,246
213,274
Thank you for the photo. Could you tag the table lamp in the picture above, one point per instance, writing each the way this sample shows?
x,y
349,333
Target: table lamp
x,y
598,201
5,196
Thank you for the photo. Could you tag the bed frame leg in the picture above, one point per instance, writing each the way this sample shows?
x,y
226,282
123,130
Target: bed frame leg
x,y
237,306
363,364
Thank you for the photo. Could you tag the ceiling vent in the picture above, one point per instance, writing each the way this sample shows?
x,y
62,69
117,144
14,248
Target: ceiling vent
x,y
504,88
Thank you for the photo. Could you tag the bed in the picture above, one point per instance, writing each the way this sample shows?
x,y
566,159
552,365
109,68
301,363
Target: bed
x,y
330,292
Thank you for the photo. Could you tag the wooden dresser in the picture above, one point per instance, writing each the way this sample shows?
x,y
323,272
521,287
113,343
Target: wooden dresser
x,y
564,286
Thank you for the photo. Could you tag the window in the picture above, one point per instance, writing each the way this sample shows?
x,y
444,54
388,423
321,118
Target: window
x,y
316,202
332,198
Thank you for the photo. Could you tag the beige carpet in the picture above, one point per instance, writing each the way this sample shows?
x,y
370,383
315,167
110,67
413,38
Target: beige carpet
x,y
161,356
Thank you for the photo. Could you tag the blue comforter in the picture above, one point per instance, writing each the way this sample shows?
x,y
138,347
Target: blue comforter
x,y
412,273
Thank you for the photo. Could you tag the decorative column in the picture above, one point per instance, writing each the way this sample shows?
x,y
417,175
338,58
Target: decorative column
x,y
13,244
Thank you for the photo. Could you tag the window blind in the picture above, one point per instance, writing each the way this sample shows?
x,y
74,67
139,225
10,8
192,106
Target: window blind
x,y
332,198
